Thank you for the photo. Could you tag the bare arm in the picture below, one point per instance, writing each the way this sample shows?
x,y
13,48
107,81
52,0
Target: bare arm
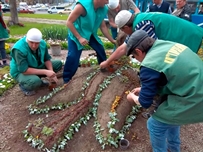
x,y
34,71
119,52
112,22
136,10
48,65
106,33
132,6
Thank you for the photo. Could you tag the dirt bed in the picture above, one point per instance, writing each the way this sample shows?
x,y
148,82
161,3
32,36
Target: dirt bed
x,y
14,117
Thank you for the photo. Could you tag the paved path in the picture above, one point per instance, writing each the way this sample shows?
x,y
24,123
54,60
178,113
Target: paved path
x,y
39,20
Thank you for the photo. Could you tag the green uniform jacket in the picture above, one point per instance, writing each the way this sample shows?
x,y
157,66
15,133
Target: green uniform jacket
x,y
172,28
4,33
23,46
184,104
89,24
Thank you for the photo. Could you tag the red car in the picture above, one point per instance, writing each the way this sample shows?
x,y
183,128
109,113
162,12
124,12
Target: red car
x,y
26,10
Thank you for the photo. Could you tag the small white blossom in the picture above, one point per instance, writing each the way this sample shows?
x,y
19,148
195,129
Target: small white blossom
x,y
5,76
2,86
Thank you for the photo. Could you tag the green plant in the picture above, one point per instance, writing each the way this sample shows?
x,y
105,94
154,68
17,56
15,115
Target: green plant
x,y
12,40
6,82
108,45
55,33
87,47
47,131
64,45
18,31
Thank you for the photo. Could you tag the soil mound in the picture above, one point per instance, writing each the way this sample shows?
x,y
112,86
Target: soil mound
x,y
93,94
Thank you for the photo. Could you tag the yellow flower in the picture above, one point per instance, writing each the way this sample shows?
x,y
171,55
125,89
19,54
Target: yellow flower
x,y
7,46
127,92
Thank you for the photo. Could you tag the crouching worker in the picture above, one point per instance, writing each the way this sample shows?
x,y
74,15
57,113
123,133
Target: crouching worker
x,y
31,61
162,72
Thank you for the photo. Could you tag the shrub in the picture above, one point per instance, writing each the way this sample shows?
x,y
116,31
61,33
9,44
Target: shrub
x,y
108,45
12,40
55,33
64,45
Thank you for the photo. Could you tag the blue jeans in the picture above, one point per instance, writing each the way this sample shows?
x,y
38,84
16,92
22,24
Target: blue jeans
x,y
2,50
114,35
163,136
73,57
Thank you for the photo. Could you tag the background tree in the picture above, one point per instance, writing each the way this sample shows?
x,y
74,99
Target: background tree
x,y
14,14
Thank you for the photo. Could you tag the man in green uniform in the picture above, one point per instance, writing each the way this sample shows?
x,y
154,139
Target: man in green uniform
x,y
4,34
83,23
165,71
31,61
116,6
157,25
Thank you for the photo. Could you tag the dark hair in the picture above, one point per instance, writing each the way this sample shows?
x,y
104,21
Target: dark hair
x,y
130,22
121,38
145,45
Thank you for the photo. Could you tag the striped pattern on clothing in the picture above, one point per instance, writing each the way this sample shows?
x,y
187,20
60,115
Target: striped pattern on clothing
x,y
148,27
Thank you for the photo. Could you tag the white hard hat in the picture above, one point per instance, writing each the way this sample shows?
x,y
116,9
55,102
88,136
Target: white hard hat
x,y
113,4
122,18
34,35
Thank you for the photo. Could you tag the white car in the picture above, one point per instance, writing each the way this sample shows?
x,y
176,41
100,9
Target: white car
x,y
65,11
42,8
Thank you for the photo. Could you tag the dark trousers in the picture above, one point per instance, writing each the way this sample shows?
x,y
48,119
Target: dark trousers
x,y
2,50
73,57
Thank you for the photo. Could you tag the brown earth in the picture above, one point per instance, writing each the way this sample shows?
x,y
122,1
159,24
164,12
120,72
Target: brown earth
x,y
14,116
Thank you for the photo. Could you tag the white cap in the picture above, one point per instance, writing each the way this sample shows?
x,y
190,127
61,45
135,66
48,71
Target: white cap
x,y
34,35
122,18
113,4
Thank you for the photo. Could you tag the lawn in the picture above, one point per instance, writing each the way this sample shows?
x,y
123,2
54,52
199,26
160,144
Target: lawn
x,y
19,31
43,16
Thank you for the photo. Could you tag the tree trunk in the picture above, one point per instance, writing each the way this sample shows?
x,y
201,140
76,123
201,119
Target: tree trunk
x,y
14,14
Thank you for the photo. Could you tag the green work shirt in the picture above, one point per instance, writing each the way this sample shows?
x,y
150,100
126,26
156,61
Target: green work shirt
x,y
171,28
88,25
4,33
184,89
23,57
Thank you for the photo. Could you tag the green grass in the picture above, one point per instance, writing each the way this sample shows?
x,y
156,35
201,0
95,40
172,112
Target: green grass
x,y
43,16
19,31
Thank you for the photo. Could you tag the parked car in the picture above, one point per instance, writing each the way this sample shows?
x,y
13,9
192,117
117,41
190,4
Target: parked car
x,y
65,11
26,10
5,8
55,9
44,8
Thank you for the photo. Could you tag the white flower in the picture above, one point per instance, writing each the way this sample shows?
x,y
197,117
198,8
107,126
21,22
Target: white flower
x,y
2,86
8,81
5,76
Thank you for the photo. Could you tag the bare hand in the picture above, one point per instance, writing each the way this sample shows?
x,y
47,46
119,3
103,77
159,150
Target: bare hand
x,y
132,97
136,91
114,42
54,79
83,41
50,74
104,64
